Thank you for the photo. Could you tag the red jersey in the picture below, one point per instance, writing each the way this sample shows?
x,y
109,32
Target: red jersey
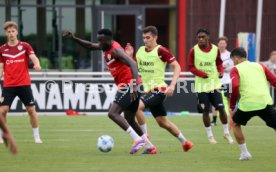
x,y
16,60
120,71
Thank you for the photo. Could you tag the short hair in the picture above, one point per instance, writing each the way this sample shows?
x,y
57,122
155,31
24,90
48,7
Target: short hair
x,y
272,53
9,24
105,32
240,52
202,30
223,38
151,29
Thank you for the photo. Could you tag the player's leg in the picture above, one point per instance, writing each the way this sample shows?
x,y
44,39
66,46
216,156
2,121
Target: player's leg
x,y
7,97
241,118
216,99
204,106
214,115
140,116
7,136
25,94
122,102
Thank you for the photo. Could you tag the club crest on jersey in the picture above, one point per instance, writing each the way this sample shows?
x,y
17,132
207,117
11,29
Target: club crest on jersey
x,y
19,47
1,99
109,56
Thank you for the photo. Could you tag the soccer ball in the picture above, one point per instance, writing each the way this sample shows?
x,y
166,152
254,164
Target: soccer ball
x,y
105,143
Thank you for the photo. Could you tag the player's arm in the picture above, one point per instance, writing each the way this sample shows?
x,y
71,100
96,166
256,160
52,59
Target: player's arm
x,y
192,68
269,76
176,72
219,64
235,80
83,43
123,57
35,61
1,70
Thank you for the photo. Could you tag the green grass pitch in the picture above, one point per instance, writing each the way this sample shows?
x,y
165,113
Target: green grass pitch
x,y
70,146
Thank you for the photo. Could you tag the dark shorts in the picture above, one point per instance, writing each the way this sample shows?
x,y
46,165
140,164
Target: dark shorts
x,y
206,99
227,90
24,93
267,114
154,101
123,99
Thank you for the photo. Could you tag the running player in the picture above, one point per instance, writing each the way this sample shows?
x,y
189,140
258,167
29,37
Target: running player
x,y
205,63
14,61
250,84
152,60
125,73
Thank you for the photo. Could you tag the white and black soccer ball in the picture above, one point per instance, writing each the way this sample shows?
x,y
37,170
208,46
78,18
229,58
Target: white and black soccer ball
x,y
105,143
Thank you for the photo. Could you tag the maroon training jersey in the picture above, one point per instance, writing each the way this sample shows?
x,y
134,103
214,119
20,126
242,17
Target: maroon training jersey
x,y
121,72
15,59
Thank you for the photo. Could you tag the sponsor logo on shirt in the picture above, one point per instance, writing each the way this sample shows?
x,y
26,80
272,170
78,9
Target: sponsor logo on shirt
x,y
14,61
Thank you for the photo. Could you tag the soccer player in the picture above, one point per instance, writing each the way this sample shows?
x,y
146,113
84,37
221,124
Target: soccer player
x,y
226,81
205,63
152,60
125,73
7,136
14,60
249,82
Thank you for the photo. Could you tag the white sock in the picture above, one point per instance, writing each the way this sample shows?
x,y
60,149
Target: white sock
x,y
225,128
133,134
243,148
144,128
1,133
36,133
181,138
209,131
148,142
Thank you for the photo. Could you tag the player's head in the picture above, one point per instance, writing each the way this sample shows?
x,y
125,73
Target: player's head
x,y
272,57
238,55
11,32
150,35
222,43
202,36
105,39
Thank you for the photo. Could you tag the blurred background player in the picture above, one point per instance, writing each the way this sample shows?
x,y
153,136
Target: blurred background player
x,y
205,63
125,73
270,64
152,60
14,61
7,136
227,64
249,82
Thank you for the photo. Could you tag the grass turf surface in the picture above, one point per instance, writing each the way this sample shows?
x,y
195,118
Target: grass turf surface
x,y
70,146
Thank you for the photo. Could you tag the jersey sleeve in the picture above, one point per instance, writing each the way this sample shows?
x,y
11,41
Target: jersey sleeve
x,y
235,80
1,57
165,55
29,49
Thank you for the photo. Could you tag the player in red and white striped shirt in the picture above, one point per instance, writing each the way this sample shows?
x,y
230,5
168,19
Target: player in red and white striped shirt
x,y
14,60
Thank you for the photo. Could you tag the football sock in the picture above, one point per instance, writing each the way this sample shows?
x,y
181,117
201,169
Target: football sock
x,y
243,148
144,128
181,138
225,128
148,143
133,134
36,133
209,131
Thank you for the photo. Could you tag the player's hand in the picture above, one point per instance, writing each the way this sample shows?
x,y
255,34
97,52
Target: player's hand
x,y
206,76
37,67
220,75
10,142
68,34
169,91
129,50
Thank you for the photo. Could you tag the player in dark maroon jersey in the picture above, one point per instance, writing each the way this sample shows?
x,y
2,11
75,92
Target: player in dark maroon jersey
x,y
125,74
14,59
